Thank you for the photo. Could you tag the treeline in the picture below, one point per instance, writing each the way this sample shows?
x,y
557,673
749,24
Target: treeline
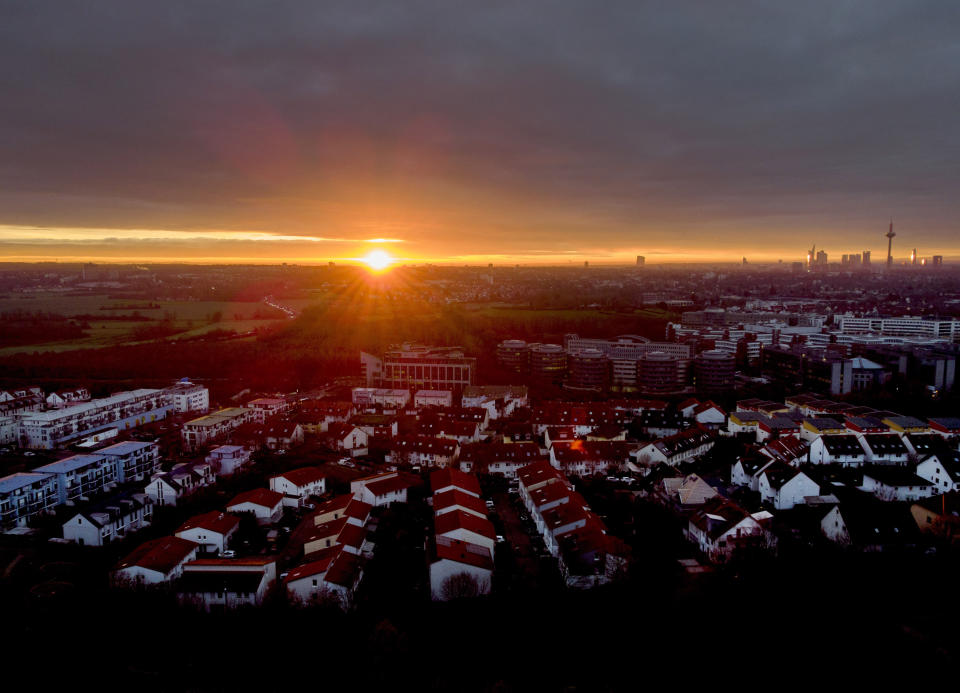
x,y
323,343
26,327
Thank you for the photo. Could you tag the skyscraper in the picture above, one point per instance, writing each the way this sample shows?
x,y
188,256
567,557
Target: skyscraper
x,y
641,260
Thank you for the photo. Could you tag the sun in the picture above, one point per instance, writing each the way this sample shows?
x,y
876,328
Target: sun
x,y
377,260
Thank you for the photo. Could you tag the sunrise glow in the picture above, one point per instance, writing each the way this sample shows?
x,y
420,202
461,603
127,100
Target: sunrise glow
x,y
378,260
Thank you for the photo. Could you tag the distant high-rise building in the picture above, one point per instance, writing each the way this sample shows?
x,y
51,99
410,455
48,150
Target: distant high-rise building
x,y
586,263
844,259
866,257
913,257
641,260
822,258
937,260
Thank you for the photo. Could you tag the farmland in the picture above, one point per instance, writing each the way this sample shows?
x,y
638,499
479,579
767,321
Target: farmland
x,y
109,321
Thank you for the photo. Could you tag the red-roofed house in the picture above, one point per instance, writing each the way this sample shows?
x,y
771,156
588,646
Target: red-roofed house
x,y
460,569
266,505
560,520
424,451
448,478
347,437
297,485
455,499
333,577
382,489
498,458
156,561
466,527
210,530
332,509
589,457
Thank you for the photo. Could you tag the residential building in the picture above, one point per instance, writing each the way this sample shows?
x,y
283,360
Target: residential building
x,y
265,408
210,531
383,489
265,505
459,569
423,451
784,487
332,578
896,484
51,429
25,496
226,583
184,479
206,429
109,521
187,397
154,562
227,460
298,485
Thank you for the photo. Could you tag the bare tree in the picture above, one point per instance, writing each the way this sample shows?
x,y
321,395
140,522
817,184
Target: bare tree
x,y
461,585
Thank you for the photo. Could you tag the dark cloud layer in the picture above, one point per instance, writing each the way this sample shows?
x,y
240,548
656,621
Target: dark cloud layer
x,y
495,127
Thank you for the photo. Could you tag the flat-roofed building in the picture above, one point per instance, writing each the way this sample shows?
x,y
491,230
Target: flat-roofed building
x,y
135,460
186,396
26,495
47,430
421,367
82,476
199,432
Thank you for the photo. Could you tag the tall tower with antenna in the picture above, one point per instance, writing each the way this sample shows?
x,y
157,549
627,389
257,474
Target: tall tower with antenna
x,y
890,235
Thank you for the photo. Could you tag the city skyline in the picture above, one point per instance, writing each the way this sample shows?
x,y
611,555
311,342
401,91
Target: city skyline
x,y
546,134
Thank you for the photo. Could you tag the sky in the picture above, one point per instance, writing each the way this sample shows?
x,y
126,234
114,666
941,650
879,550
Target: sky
x,y
516,132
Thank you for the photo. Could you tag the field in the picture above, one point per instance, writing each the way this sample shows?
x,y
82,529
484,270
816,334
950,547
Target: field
x,y
184,318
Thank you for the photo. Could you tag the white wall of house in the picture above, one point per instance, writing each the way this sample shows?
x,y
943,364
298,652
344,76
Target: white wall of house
x,y
209,540
933,471
82,531
470,537
443,569
263,513
834,528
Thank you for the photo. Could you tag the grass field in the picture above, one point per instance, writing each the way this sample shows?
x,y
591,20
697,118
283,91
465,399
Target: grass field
x,y
190,318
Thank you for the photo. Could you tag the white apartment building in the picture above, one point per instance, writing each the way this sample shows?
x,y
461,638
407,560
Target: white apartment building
x,y
186,396
47,430
25,495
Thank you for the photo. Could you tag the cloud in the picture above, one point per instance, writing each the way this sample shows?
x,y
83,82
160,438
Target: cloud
x,y
468,129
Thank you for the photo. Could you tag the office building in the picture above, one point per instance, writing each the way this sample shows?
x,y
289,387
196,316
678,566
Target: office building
x,y
659,372
414,366
588,369
548,362
624,351
514,355
715,371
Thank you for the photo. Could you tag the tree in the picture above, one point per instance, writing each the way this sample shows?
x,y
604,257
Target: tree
x,y
460,586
